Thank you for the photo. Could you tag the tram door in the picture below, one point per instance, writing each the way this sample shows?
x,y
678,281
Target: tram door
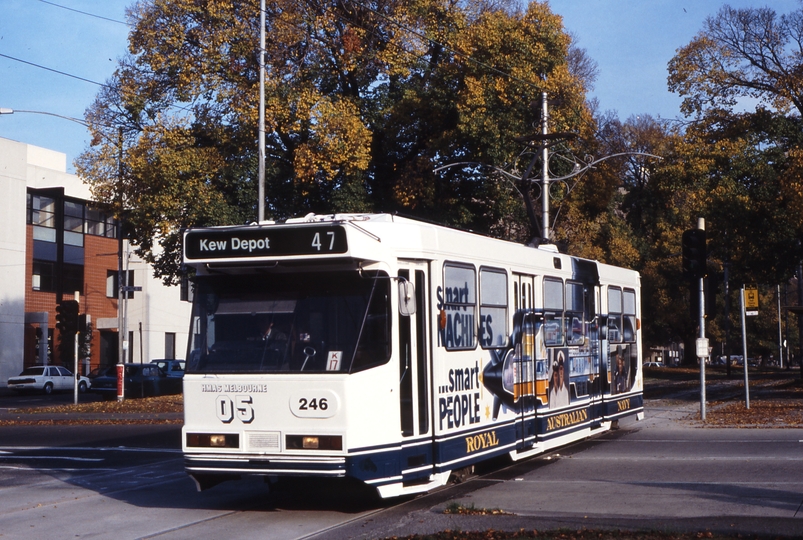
x,y
526,385
592,316
415,375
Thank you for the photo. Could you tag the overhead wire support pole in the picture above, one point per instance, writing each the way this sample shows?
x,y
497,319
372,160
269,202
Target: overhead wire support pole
x,y
544,168
120,277
546,139
261,179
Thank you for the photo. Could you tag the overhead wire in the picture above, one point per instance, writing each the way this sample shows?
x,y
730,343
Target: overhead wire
x,y
84,13
53,70
34,64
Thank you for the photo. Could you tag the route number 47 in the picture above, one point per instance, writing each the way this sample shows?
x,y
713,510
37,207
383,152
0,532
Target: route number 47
x,y
242,407
316,240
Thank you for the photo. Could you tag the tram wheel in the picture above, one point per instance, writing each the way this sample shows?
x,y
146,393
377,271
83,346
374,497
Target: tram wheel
x,y
459,476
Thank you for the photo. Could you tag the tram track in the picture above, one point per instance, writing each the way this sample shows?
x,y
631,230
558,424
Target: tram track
x,y
429,510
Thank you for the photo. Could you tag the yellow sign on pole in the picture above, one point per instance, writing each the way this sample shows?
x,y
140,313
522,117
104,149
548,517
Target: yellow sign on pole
x,y
751,300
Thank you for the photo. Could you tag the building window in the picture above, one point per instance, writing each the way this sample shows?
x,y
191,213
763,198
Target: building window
x,y
73,223
111,283
74,217
43,278
41,211
170,345
73,275
100,224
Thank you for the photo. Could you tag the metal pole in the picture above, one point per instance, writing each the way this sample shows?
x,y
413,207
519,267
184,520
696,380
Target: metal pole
x,y
744,355
544,170
75,349
701,314
780,330
128,288
261,205
799,354
727,318
786,324
120,351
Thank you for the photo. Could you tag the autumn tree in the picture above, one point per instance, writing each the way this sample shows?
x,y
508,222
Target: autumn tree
x,y
742,57
363,102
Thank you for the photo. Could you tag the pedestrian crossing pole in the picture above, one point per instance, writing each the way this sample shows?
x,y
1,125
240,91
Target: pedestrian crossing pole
x,y
702,342
75,378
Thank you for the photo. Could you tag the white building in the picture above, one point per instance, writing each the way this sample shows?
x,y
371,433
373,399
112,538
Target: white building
x,y
52,243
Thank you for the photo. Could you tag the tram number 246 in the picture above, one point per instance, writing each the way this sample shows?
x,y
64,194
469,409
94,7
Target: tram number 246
x,y
241,406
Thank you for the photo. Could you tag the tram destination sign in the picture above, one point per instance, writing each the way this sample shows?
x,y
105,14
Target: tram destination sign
x,y
237,243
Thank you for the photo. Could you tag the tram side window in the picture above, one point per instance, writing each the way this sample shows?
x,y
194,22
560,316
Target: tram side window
x,y
459,305
553,311
493,308
575,325
629,316
615,333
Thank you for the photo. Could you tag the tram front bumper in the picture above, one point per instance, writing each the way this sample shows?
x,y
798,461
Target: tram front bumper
x,y
264,465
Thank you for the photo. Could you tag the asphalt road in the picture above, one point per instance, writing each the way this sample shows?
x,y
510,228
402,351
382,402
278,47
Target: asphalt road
x,y
127,481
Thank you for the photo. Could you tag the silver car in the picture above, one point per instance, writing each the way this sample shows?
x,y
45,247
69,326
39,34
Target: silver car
x,y
47,379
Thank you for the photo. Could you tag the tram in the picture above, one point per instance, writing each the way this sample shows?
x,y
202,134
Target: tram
x,y
396,352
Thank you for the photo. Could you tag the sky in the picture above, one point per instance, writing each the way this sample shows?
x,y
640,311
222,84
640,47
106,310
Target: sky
x,y
630,40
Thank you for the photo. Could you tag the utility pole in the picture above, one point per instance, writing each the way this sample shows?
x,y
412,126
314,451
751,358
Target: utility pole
x,y
695,256
702,342
261,180
120,323
544,169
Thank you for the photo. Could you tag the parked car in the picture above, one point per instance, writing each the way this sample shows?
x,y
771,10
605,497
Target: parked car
x,y
141,380
652,364
47,379
172,368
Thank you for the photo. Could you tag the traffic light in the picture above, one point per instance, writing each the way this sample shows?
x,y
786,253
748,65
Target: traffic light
x,y
67,317
694,254
85,322
711,287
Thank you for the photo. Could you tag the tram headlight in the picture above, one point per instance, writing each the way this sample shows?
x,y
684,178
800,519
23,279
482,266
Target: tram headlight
x,y
314,442
213,440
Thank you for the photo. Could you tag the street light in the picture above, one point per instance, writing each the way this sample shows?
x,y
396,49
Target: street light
x,y
4,110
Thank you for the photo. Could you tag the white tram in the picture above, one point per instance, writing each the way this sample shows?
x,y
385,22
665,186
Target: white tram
x,y
396,352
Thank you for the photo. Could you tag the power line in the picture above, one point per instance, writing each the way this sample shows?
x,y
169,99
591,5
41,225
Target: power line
x,y
84,13
53,70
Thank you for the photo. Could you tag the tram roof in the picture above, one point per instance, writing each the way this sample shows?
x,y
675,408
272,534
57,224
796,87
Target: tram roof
x,y
372,237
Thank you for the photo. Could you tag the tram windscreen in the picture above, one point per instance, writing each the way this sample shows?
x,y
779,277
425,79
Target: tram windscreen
x,y
304,322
